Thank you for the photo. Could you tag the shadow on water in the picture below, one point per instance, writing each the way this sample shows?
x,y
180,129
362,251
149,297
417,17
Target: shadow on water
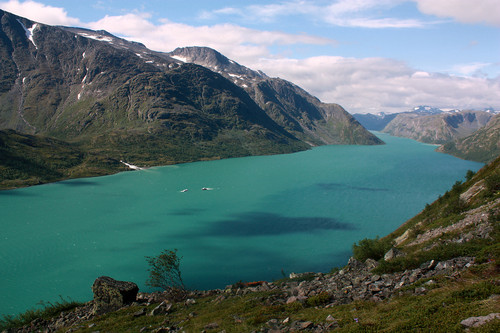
x,y
187,212
16,192
339,187
265,224
79,182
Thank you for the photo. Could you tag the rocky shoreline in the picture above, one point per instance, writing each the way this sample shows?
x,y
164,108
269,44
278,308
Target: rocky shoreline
x,y
352,283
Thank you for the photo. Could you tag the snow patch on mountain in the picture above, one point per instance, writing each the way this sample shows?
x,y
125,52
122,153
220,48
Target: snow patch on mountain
x,y
179,58
96,37
29,32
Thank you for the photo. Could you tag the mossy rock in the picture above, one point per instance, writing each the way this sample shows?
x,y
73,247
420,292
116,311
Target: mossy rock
x,y
111,295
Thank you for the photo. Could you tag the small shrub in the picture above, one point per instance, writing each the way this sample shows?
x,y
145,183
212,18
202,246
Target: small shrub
x,y
477,292
371,249
455,206
320,299
469,175
293,307
493,183
164,271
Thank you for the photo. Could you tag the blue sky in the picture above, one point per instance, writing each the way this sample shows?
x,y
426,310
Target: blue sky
x,y
367,55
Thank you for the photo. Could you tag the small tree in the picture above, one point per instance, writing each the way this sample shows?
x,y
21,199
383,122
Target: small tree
x,y
371,248
164,271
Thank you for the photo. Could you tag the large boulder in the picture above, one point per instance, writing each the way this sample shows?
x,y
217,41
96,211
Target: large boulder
x,y
111,295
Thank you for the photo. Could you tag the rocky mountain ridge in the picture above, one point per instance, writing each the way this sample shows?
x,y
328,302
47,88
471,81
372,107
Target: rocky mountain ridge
x,y
483,145
117,98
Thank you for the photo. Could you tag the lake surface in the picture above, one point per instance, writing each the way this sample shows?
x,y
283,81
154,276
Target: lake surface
x,y
260,216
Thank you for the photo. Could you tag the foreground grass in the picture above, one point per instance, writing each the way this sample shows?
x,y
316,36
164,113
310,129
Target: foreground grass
x,y
447,302
47,311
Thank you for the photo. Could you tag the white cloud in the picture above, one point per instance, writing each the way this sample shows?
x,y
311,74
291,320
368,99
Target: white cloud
x,y
240,43
471,69
465,11
125,25
357,13
39,12
346,13
378,84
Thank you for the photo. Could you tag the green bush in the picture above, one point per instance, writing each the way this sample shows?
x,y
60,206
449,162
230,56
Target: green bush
x,y
469,175
476,292
320,299
371,249
164,271
493,183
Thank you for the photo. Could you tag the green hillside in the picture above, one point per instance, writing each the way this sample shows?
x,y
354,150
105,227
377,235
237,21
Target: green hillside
x,y
31,160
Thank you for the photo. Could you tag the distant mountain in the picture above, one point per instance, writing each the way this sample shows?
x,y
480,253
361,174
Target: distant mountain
x,y
482,146
425,109
126,102
374,122
377,122
291,107
437,128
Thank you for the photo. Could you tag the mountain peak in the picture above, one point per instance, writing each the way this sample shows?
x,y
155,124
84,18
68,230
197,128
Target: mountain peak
x,y
427,109
215,61
200,54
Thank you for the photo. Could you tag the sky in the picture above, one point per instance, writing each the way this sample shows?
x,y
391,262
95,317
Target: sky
x,y
369,56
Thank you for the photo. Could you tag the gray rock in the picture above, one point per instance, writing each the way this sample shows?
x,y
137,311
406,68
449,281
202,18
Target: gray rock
x,y
420,290
330,318
393,253
371,264
162,308
190,301
479,321
139,313
211,326
111,295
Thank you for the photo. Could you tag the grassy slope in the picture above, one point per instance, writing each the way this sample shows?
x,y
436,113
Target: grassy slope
x,y
30,160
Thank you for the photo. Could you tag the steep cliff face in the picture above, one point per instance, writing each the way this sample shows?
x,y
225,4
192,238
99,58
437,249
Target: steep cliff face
x,y
438,128
482,146
300,113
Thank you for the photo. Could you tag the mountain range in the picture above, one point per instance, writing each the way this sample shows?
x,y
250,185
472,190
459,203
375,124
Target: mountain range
x,y
483,145
119,100
437,128
473,135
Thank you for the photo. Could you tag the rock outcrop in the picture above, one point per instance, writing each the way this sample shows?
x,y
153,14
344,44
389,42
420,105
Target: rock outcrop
x,y
111,295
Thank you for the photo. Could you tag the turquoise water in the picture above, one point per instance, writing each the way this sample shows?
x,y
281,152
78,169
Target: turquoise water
x,y
261,215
